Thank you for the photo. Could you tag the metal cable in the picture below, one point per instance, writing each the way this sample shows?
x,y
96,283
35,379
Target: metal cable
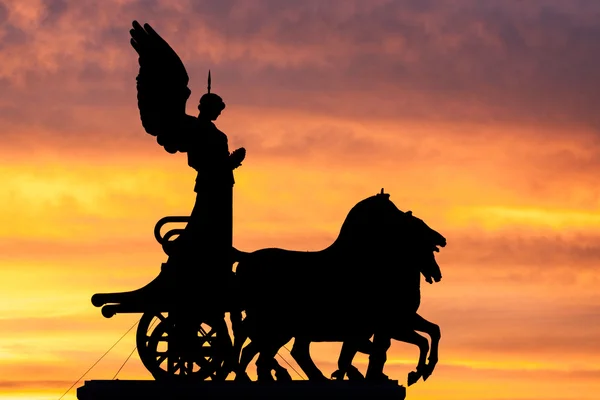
x,y
107,351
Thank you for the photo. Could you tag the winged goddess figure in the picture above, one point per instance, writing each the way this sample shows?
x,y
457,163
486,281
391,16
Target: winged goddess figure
x,y
162,87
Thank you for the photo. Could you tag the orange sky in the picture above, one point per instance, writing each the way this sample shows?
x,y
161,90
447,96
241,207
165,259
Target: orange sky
x,y
480,117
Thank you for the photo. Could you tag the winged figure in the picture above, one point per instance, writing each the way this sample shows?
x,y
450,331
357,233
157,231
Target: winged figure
x,y
163,91
162,87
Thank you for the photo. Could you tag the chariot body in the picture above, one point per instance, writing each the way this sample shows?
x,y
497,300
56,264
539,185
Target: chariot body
x,y
171,340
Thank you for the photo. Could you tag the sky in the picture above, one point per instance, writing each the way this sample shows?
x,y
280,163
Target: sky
x,y
478,116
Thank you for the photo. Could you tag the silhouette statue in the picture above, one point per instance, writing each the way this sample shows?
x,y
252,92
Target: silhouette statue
x,y
380,251
403,330
365,284
204,247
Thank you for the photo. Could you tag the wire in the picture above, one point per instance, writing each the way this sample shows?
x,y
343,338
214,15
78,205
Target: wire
x,y
127,359
290,365
130,354
107,351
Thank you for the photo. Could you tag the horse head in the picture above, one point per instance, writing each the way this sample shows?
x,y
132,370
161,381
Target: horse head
x,y
377,227
424,241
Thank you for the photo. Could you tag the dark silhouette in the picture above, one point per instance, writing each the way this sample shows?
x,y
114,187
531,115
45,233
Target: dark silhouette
x,y
202,252
207,390
402,331
365,284
380,252
376,251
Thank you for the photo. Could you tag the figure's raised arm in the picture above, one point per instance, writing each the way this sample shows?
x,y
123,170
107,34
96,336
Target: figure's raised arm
x,y
162,86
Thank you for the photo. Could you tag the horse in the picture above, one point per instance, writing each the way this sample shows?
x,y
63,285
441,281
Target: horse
x,y
406,332
402,329
374,235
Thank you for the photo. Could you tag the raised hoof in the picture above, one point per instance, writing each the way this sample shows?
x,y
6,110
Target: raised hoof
x,y
338,375
427,371
283,375
354,374
413,377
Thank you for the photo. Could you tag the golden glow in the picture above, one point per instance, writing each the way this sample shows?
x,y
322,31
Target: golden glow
x,y
83,186
493,218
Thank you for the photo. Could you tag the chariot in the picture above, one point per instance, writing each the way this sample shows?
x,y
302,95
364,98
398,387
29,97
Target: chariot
x,y
182,333
168,345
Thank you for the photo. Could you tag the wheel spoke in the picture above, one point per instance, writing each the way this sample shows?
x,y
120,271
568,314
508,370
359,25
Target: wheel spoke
x,y
177,366
161,317
201,356
161,359
170,365
204,341
203,362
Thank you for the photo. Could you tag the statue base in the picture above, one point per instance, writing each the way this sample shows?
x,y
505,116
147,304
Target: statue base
x,y
208,390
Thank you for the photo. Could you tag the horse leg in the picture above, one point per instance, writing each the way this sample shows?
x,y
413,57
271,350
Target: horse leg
x,y
240,336
433,330
365,346
345,367
410,336
248,353
378,357
229,361
266,359
264,362
281,374
301,353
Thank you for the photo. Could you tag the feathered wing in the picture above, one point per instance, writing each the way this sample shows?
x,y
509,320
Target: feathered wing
x,y
162,85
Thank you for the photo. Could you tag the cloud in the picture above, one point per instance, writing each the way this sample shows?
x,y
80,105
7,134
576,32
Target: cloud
x,y
535,64
492,89
539,252
481,117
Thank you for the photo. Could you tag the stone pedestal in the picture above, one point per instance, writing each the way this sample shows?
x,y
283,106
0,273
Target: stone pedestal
x,y
209,390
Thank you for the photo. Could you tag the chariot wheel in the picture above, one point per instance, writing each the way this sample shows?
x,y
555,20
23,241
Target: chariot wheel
x,y
201,357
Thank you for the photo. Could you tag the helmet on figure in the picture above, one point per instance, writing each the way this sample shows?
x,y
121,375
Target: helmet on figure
x,y
211,104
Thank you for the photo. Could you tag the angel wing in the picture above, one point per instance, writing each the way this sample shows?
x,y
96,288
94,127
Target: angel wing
x,y
162,86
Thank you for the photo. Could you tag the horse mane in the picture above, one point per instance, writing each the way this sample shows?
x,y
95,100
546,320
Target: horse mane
x,y
365,217
377,218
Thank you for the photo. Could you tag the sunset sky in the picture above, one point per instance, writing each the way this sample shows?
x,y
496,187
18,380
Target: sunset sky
x,y
479,116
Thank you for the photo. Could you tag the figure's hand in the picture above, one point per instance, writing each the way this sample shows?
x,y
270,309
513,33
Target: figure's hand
x,y
237,157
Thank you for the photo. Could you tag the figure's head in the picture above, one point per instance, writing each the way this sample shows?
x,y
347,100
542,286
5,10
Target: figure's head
x,y
211,104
